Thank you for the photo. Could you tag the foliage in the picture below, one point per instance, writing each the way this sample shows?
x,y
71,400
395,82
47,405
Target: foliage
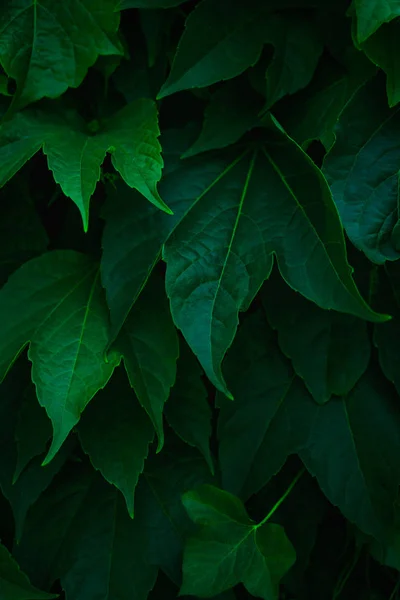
x,y
199,299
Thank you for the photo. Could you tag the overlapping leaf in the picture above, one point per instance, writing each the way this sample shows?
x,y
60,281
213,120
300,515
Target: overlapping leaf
x,y
41,43
56,303
371,14
75,155
14,583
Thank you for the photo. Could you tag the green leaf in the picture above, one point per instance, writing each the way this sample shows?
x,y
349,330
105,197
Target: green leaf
x,y
232,111
187,410
75,155
220,40
220,256
271,415
14,583
56,303
42,43
383,49
158,505
149,346
229,548
330,351
297,49
149,3
371,14
362,171
116,433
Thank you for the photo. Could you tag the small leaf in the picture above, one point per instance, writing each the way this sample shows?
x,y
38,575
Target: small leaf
x,y
75,156
56,303
187,410
42,48
116,433
14,583
149,346
228,548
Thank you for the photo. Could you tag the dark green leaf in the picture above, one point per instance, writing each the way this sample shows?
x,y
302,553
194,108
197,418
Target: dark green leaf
x,y
229,548
75,155
56,302
362,171
116,433
149,346
371,14
14,584
149,3
42,48
187,410
329,351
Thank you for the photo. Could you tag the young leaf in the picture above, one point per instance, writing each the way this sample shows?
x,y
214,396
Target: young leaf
x,y
56,303
149,346
42,47
361,169
229,548
371,14
116,433
297,49
221,40
14,583
187,410
231,112
330,351
75,155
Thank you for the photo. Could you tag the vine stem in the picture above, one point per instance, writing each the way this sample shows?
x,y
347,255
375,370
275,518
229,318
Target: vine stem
x,y
282,498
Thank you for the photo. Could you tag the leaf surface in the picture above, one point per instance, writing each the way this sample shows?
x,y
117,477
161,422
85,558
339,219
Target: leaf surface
x,y
116,433
361,169
74,155
56,303
41,43
229,548
149,346
14,583
150,3
371,14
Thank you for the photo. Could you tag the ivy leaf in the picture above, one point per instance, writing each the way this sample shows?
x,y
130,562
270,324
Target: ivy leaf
x,y
208,50
14,583
149,346
371,14
297,49
116,433
330,351
361,169
41,46
187,410
229,548
56,303
232,111
74,155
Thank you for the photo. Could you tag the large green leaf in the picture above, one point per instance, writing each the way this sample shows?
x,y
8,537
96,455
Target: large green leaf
x,y
297,49
75,155
330,351
187,410
56,303
229,548
362,169
116,433
371,14
149,346
14,583
41,43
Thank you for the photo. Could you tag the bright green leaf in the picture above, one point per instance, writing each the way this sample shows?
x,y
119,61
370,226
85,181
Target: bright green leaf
x,y
116,433
330,351
229,548
14,583
41,45
187,410
56,303
74,155
371,14
149,346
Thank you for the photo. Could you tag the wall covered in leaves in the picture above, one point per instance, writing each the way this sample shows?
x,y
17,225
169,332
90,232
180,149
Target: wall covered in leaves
x,y
199,299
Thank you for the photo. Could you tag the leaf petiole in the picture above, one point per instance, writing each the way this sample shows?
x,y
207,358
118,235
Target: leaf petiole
x,y
282,498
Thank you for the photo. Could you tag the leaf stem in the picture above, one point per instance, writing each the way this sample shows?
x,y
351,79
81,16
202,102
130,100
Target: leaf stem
x,y
282,498
395,590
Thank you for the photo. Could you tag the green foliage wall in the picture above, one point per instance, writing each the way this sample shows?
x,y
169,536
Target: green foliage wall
x,y
199,299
